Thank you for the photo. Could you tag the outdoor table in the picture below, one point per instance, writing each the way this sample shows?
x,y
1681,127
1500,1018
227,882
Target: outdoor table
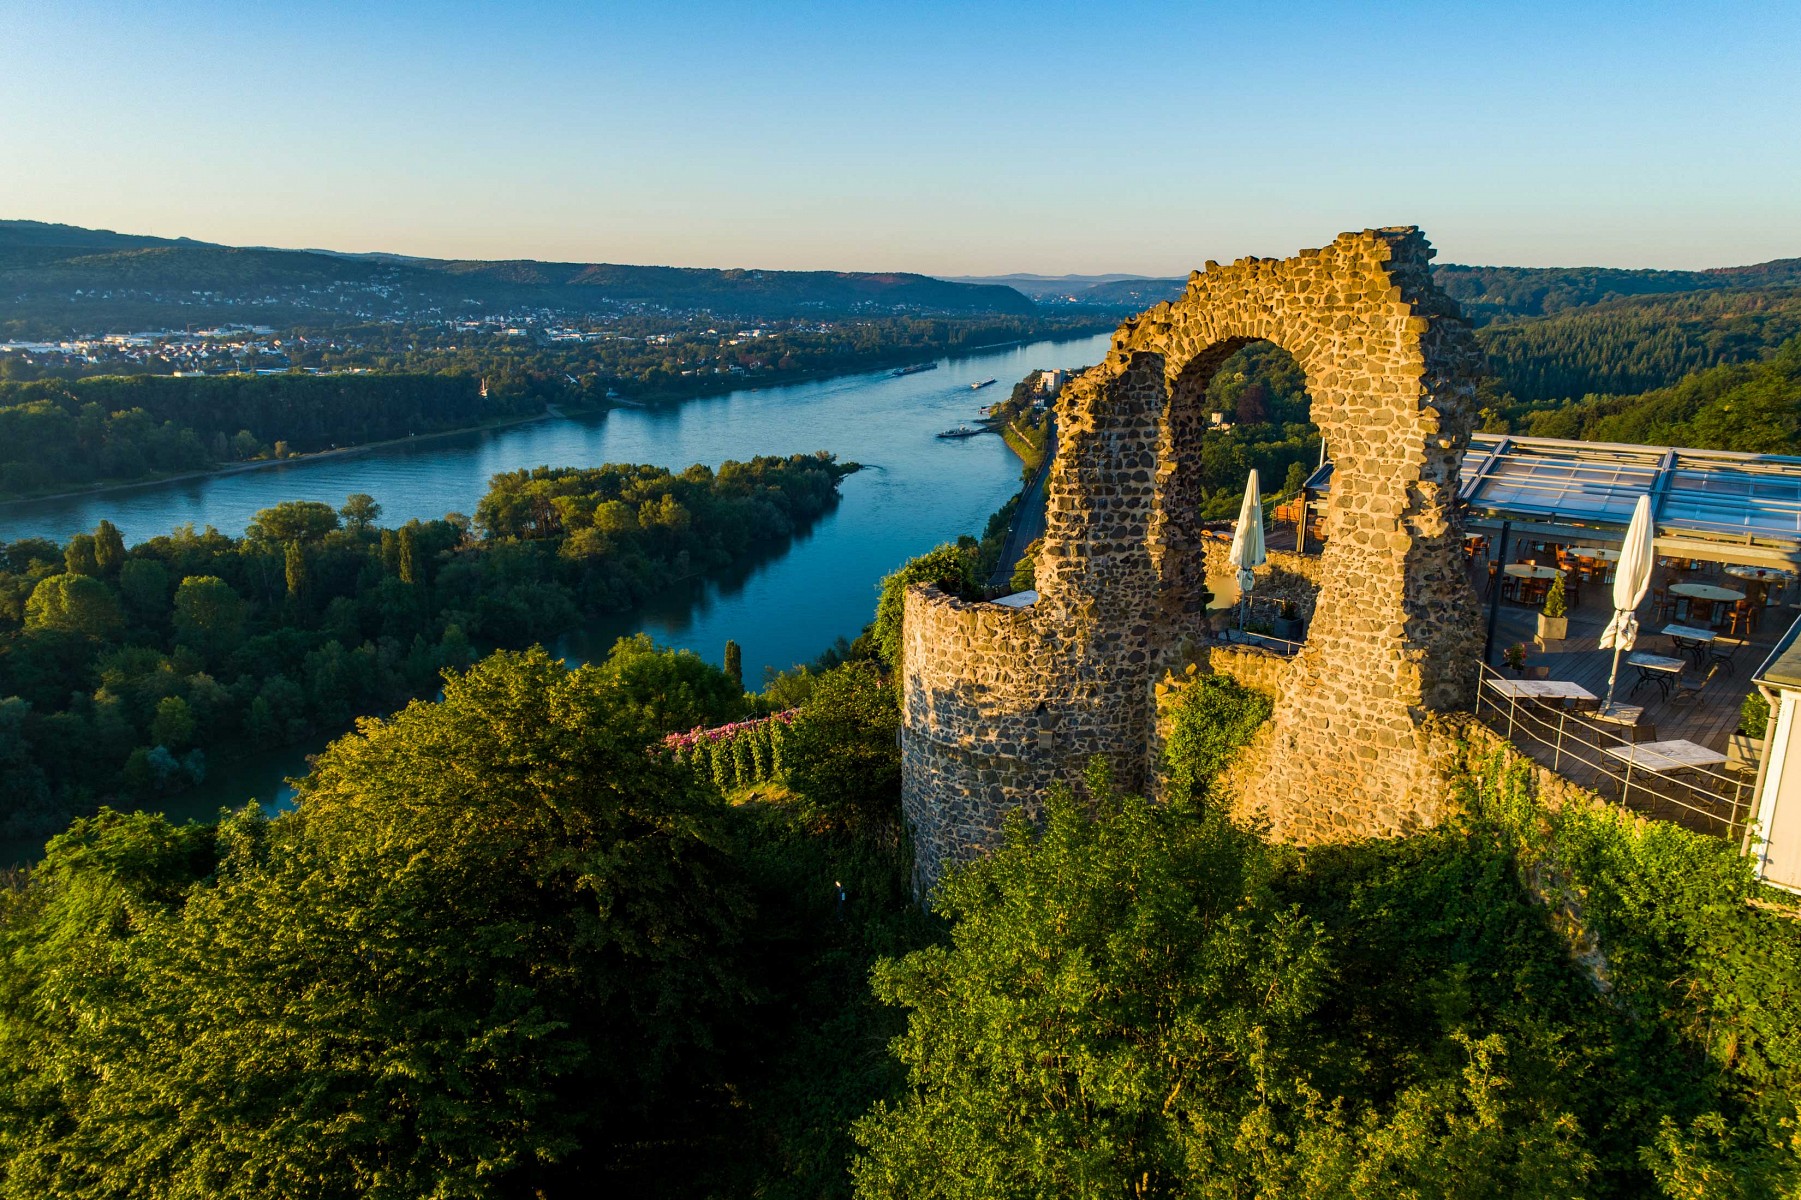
x,y
1689,639
1758,574
1618,713
1766,583
1560,692
1705,591
1541,689
1599,555
1654,668
1528,571
1664,759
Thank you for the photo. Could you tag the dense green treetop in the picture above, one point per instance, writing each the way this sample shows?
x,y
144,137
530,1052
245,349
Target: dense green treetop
x,y
495,926
1752,407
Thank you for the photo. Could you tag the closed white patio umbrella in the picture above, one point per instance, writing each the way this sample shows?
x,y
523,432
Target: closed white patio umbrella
x,y
1247,543
1630,580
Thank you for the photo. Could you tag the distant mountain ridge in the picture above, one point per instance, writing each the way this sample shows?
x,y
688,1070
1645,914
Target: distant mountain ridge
x,y
42,262
53,274
1495,293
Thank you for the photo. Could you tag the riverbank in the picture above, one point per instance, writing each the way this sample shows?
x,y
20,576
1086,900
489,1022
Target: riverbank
x,y
885,362
551,412
651,400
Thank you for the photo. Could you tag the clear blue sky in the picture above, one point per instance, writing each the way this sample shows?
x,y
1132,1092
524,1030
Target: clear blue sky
x,y
947,138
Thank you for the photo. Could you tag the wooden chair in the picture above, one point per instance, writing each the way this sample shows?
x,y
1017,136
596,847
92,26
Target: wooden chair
x,y
1741,618
1689,687
1662,603
1720,653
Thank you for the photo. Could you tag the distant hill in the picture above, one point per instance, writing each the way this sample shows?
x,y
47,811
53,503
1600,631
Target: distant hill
x,y
1132,293
1491,293
1495,293
66,273
42,233
1636,343
1044,287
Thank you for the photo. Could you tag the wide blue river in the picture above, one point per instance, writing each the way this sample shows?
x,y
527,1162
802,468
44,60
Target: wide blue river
x,y
915,491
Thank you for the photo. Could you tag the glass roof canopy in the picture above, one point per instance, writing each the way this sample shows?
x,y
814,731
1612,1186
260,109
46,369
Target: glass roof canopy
x,y
1738,506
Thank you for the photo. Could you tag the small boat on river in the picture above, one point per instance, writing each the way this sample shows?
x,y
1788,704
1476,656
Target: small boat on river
x,y
976,387
961,431
915,369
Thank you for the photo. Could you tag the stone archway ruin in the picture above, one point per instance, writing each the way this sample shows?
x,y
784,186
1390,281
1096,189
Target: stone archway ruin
x,y
1000,702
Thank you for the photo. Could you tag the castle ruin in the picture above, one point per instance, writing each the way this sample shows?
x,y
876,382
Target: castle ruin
x,y
1002,701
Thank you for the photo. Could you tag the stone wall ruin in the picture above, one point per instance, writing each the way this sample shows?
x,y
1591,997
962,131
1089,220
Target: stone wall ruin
x,y
1000,702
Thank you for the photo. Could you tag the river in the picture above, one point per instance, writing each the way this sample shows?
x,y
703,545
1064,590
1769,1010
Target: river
x,y
915,492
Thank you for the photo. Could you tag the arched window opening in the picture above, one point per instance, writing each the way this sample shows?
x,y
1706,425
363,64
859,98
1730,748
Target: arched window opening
x,y
1240,406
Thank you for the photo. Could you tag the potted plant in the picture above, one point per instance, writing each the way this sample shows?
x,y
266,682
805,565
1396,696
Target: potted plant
x,y
1553,619
1515,657
1745,748
1287,624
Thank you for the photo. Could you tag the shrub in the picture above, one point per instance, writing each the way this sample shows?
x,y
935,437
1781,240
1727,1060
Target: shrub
x,y
1556,605
950,567
1213,717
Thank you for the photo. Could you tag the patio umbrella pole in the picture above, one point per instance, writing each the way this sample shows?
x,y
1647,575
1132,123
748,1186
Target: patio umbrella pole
x,y
1612,675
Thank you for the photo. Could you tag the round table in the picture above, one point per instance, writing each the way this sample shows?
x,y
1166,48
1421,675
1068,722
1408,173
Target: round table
x,y
1528,571
1705,591
1595,554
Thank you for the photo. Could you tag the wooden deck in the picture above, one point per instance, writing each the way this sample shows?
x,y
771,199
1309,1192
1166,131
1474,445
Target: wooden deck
x,y
1706,719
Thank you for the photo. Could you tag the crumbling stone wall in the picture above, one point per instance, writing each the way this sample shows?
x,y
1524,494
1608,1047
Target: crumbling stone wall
x,y
1001,702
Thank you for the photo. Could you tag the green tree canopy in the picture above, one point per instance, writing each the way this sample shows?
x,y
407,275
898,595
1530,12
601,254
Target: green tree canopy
x,y
360,511
1128,1007
411,987
948,566
209,615
109,548
842,752
74,604
669,690
292,521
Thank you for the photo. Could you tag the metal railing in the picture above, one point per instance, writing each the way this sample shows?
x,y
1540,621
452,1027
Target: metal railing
x,y
1262,641
1572,743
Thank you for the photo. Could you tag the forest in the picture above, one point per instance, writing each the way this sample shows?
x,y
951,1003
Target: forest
x,y
124,672
57,434
53,277
513,943
1635,345
1749,406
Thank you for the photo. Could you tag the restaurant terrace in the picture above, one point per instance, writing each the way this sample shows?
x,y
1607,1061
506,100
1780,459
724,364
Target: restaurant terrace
x,y
1675,742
